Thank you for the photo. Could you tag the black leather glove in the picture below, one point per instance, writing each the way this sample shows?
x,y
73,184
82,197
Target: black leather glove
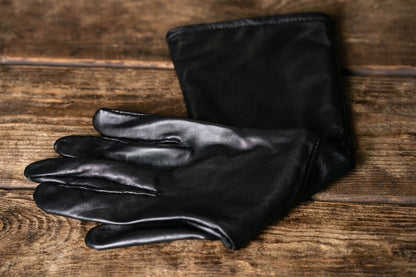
x,y
269,72
155,178
88,184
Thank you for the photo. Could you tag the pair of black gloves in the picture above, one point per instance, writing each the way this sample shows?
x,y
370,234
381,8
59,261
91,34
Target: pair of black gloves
x,y
268,129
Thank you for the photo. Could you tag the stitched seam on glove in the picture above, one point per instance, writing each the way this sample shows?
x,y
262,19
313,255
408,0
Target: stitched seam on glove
x,y
145,192
251,22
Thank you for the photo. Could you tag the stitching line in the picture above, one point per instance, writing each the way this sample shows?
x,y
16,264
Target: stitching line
x,y
254,22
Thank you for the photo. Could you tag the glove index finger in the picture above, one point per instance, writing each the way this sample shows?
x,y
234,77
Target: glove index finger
x,y
135,126
165,129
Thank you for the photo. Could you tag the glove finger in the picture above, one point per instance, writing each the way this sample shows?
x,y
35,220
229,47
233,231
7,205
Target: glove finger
x,y
86,204
129,151
156,128
123,209
137,126
100,185
108,236
61,170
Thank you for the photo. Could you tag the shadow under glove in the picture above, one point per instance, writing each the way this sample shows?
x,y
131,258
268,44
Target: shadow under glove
x,y
269,72
155,178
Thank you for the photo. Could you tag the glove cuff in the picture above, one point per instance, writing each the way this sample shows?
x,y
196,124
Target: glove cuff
x,y
268,72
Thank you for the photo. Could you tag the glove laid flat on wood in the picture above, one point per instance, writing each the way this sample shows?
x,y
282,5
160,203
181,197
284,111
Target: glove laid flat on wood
x,y
153,178
190,179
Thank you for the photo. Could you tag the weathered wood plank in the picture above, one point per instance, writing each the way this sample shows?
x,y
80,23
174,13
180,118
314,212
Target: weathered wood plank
x,y
316,239
62,91
371,32
40,104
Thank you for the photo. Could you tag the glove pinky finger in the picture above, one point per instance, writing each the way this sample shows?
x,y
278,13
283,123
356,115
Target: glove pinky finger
x,y
107,236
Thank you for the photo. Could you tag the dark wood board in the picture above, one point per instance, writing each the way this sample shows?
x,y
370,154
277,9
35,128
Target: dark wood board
x,y
316,239
370,33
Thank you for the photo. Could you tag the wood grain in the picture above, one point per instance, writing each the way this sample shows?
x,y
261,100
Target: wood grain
x,y
316,239
40,104
371,32
62,60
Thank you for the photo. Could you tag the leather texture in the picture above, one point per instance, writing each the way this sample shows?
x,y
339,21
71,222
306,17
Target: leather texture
x,y
154,178
269,72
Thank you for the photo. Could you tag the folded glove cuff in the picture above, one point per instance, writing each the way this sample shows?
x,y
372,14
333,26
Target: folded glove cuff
x,y
266,72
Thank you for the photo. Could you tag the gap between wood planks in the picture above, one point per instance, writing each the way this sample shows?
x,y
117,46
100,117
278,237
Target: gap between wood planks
x,y
86,63
369,70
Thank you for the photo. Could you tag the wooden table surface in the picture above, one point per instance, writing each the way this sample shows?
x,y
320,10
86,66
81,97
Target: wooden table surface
x,y
62,60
